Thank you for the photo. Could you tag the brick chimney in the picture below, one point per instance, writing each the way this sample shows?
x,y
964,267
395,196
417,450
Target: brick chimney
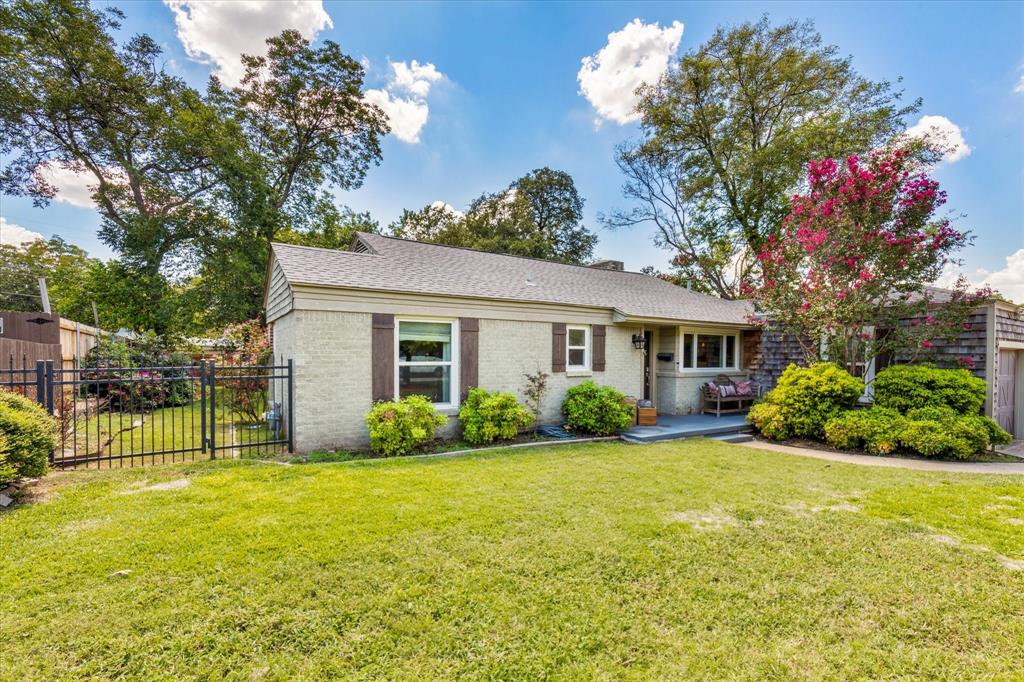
x,y
616,265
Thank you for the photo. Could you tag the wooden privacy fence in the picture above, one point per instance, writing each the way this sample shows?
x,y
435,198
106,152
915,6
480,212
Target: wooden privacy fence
x,y
27,337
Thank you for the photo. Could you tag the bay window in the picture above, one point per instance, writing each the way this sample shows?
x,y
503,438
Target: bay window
x,y
424,365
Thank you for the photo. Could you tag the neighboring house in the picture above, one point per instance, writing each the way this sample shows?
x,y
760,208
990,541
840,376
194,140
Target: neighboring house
x,y
392,317
991,346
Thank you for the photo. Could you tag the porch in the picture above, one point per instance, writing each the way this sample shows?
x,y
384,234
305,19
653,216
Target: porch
x,y
729,427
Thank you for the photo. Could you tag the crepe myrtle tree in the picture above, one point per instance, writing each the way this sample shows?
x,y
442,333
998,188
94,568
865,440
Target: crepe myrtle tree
x,y
853,253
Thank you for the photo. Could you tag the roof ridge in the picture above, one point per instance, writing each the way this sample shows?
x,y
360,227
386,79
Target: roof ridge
x,y
508,255
323,248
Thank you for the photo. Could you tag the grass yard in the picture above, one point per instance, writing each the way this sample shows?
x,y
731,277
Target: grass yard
x,y
692,559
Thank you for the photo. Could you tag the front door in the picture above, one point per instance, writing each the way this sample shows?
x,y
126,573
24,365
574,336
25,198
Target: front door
x,y
1006,390
648,354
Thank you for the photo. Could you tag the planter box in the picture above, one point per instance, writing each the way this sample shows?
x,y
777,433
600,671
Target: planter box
x,y
646,416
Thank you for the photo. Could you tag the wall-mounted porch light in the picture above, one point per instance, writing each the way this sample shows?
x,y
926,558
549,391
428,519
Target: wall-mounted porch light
x,y
639,341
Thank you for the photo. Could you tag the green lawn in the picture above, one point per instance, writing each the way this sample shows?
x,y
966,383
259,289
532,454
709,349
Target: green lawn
x,y
170,428
692,559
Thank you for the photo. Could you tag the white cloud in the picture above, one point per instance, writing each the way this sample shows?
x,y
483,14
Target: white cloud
x,y
218,32
448,208
414,78
946,132
15,235
637,54
1020,84
73,187
1009,281
404,99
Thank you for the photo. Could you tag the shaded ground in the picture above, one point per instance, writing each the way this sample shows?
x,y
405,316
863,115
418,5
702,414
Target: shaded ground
x,y
692,559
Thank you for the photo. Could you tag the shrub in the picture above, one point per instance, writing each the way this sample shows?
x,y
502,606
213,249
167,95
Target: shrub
x,y
599,410
399,427
770,420
487,417
876,430
909,387
804,400
7,470
29,434
935,431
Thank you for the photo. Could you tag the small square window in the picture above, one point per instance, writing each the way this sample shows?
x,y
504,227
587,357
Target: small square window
x,y
577,348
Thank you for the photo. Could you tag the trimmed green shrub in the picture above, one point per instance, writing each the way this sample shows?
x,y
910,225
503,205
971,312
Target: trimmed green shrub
x,y
909,387
935,431
770,420
399,427
7,470
30,435
804,400
487,417
876,430
598,410
934,439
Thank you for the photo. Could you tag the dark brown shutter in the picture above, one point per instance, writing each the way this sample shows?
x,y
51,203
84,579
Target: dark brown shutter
x,y
383,357
469,354
751,349
597,336
558,347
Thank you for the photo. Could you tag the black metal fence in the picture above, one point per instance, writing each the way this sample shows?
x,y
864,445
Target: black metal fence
x,y
120,416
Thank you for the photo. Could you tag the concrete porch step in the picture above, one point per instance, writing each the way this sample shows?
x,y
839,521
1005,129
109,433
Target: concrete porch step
x,y
734,437
688,426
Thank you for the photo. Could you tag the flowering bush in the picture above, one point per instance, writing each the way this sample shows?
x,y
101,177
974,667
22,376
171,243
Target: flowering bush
x,y
803,400
248,345
909,387
399,427
487,417
854,252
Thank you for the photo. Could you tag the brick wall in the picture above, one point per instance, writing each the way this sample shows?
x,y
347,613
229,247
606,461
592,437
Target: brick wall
x,y
511,349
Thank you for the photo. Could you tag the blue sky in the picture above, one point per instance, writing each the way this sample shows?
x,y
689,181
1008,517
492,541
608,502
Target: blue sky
x,y
503,97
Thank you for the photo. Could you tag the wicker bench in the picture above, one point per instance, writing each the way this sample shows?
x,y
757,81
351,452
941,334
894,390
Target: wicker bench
x,y
713,402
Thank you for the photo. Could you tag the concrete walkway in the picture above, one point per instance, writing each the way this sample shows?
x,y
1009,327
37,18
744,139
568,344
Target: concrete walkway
x,y
893,462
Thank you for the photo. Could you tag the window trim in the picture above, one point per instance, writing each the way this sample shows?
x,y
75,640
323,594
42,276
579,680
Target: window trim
x,y
454,385
588,348
681,334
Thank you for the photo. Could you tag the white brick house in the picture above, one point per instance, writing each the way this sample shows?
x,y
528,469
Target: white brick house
x,y
392,317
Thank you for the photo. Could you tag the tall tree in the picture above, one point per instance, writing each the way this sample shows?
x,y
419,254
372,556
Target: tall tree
x,y
64,266
725,135
306,127
73,99
539,215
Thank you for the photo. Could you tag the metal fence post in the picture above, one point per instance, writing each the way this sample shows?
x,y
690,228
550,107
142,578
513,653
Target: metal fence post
x,y
202,406
49,387
213,409
40,382
291,406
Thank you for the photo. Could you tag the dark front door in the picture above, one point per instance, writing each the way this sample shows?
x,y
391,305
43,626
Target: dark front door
x,y
648,354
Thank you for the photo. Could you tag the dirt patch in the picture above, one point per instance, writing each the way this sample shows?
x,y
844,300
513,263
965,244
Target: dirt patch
x,y
177,484
1005,561
1010,564
1015,521
705,520
818,509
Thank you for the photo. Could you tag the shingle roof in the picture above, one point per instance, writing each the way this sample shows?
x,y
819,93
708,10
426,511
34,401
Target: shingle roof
x,y
393,264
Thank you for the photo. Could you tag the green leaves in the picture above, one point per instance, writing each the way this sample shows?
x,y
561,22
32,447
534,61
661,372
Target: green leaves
x,y
537,216
726,135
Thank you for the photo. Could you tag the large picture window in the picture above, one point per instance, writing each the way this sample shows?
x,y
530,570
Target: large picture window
x,y
425,352
709,351
577,348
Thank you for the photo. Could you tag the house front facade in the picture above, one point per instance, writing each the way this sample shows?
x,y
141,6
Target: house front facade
x,y
391,317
